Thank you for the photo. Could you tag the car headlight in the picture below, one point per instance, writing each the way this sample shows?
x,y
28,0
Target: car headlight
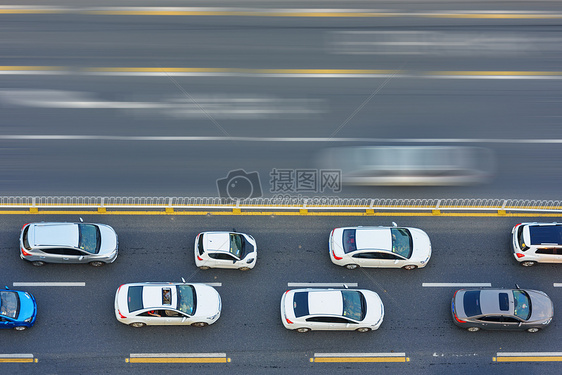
x,y
214,316
251,260
28,320
547,321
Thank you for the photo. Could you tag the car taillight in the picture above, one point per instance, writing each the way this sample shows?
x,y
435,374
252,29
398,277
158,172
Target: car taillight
x,y
519,255
25,225
332,233
455,315
335,256
288,321
199,258
457,319
121,315
24,253
118,289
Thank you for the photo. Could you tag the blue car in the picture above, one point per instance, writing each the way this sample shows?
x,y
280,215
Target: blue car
x,y
18,310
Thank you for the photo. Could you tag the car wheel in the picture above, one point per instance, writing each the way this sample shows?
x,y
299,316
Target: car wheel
x,y
303,330
23,328
363,329
96,263
473,329
137,324
204,268
200,324
528,263
244,268
533,330
38,263
410,267
351,266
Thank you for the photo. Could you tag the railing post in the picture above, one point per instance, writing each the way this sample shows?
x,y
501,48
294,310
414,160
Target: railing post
x,y
304,210
371,210
437,211
170,208
101,208
237,210
33,209
502,211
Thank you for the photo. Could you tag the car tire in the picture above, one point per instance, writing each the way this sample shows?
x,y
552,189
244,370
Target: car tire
x,y
533,330
410,267
20,328
244,268
204,268
137,324
200,324
528,263
473,329
303,330
38,263
351,266
363,329
96,263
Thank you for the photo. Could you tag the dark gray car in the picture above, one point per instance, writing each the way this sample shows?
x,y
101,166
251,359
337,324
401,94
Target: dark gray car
x,y
502,309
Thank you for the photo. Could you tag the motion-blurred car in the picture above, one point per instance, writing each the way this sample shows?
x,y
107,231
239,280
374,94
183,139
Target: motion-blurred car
x,y
537,243
140,304
410,165
384,247
42,243
225,250
18,310
503,309
309,309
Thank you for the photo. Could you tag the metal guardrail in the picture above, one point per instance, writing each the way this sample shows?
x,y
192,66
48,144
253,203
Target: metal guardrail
x,y
272,204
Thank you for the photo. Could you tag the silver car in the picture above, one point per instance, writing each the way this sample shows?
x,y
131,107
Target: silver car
x,y
42,243
501,309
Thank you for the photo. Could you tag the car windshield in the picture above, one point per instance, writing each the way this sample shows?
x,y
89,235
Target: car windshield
x,y
349,244
187,299
401,242
237,245
522,304
353,305
89,238
10,304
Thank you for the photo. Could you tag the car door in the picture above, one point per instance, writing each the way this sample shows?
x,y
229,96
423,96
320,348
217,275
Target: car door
x,y
381,259
510,322
52,255
6,323
72,255
490,322
152,317
224,259
174,317
549,254
329,323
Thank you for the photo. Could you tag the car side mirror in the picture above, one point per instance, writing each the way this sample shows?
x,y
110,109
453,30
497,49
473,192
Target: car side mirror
x,y
182,279
394,224
517,286
81,220
7,287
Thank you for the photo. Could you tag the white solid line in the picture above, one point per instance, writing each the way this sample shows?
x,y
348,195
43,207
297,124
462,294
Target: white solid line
x,y
439,285
529,354
50,283
177,355
557,285
214,284
16,355
324,285
62,137
359,354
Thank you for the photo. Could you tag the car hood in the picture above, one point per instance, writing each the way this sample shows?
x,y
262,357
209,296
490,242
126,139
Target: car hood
x,y
375,308
542,307
422,244
208,300
28,307
108,239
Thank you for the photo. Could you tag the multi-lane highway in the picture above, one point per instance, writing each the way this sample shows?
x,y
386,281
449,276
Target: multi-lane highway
x,y
101,99
76,330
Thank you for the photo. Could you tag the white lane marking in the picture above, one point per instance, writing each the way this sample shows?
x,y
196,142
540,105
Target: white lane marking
x,y
557,285
177,355
359,354
444,285
80,283
324,285
23,355
529,354
214,284
61,137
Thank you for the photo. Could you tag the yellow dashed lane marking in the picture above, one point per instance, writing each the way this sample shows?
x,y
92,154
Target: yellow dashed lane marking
x,y
529,359
359,359
177,360
18,360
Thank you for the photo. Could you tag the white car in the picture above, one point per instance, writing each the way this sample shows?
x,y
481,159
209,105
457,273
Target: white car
x,y
383,247
225,250
537,243
140,304
309,309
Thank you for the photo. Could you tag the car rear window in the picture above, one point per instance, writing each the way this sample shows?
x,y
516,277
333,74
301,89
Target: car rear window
x,y
134,298
520,239
300,304
471,303
551,234
25,238
349,243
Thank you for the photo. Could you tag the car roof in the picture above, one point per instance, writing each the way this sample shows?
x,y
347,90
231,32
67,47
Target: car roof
x,y
59,234
152,296
327,302
373,238
217,241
